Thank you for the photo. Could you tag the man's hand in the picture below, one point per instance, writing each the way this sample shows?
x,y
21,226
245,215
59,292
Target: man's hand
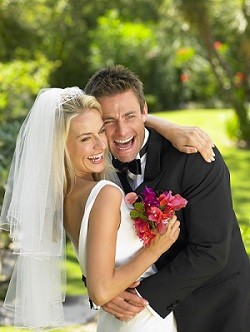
x,y
126,305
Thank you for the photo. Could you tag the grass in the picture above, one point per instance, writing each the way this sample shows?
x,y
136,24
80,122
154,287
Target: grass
x,y
75,285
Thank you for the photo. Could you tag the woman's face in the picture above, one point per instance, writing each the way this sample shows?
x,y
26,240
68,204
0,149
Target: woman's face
x,y
86,143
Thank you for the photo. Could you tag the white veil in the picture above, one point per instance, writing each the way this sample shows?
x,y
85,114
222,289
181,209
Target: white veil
x,y
33,213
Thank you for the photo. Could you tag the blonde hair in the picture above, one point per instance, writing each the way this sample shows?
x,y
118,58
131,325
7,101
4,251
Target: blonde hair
x,y
70,110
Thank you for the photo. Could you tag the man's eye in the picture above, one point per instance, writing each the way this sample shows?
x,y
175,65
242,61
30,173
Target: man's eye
x,y
102,130
130,116
108,121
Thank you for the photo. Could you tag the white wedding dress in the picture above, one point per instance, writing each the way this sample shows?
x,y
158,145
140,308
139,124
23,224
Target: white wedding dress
x,y
127,245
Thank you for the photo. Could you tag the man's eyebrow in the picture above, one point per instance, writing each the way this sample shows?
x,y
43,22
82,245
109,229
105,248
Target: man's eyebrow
x,y
113,116
108,117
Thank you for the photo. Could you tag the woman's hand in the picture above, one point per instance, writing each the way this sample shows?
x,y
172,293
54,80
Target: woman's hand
x,y
187,139
162,242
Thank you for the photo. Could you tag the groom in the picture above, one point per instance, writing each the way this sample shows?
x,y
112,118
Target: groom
x,y
204,278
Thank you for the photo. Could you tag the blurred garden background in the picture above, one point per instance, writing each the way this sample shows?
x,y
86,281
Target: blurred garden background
x,y
193,57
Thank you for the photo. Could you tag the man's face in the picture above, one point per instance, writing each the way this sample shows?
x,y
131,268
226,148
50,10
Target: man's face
x,y
124,124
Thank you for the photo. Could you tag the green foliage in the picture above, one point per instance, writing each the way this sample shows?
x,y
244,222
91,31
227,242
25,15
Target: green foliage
x,y
19,82
232,128
75,285
229,60
116,41
8,134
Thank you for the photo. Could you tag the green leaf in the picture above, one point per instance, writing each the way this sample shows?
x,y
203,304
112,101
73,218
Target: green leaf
x,y
139,207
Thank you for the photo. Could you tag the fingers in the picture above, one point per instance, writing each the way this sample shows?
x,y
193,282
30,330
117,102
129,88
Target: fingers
x,y
204,145
135,284
126,306
174,228
134,299
118,312
196,140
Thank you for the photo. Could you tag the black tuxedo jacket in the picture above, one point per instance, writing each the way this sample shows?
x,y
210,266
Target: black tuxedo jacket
x,y
205,276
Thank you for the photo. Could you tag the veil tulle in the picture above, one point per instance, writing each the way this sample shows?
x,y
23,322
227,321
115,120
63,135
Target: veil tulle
x,y
33,213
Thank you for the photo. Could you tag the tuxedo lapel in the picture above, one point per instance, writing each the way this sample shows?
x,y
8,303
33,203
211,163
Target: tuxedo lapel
x,y
153,163
153,172
150,183
124,182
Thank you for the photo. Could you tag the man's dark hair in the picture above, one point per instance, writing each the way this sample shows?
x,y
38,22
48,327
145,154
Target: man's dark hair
x,y
113,80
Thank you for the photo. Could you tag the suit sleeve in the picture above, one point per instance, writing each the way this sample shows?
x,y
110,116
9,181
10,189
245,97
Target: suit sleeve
x,y
208,219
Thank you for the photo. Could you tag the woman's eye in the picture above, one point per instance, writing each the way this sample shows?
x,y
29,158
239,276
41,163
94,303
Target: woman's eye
x,y
85,139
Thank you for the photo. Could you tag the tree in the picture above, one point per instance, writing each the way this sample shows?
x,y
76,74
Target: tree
x,y
231,72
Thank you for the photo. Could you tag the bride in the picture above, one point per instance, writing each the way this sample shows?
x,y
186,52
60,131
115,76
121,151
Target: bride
x,y
56,184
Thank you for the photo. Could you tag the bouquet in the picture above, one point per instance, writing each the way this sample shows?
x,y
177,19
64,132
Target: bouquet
x,y
152,213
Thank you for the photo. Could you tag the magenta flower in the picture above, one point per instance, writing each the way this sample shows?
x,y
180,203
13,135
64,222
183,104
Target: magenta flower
x,y
149,197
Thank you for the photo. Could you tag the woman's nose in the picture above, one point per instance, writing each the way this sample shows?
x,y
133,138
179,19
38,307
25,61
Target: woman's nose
x,y
100,143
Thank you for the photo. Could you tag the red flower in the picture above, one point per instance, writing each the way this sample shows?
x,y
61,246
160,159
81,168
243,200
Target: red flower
x,y
218,45
143,231
151,215
184,77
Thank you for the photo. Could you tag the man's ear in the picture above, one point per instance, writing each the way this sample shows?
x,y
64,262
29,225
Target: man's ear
x,y
145,112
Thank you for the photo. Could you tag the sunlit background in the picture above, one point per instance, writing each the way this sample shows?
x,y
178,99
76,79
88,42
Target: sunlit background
x,y
193,57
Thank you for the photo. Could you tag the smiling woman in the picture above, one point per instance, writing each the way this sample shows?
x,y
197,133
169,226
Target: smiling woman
x,y
87,143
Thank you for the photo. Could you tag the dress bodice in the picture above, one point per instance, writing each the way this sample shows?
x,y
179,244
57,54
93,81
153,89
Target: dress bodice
x,y
128,243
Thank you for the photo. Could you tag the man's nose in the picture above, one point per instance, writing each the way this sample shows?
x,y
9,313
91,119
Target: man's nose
x,y
121,128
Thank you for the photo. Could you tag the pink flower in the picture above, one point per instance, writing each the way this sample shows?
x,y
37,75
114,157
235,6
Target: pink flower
x,y
162,226
154,214
165,198
177,202
131,198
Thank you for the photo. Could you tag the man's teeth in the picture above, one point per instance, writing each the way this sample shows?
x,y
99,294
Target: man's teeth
x,y
96,157
124,141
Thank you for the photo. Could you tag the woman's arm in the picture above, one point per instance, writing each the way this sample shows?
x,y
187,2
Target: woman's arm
x,y
188,139
104,280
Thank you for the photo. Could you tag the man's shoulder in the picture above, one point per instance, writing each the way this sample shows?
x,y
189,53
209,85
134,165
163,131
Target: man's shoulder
x,y
160,142
154,136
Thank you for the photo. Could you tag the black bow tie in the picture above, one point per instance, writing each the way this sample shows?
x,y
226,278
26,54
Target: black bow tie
x,y
133,166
